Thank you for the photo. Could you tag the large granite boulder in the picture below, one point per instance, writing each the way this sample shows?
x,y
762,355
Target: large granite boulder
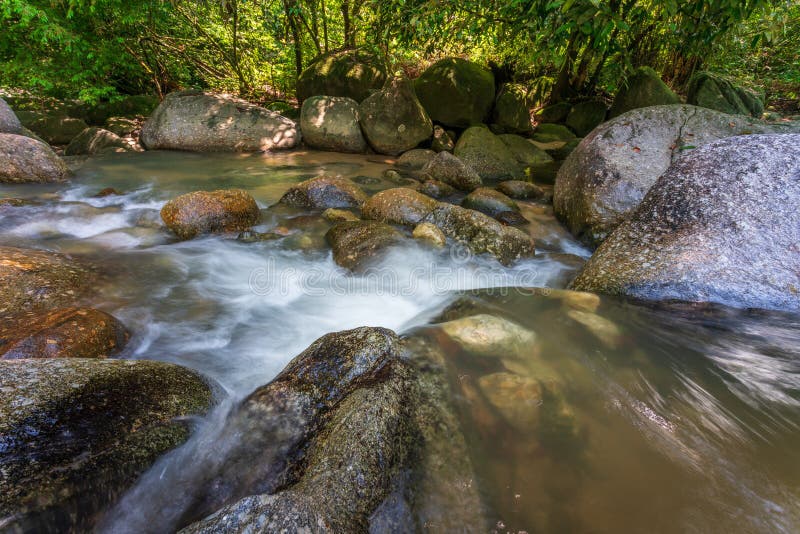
x,y
24,159
76,433
399,205
607,175
205,122
58,129
512,109
715,92
487,154
722,224
449,169
325,192
210,212
331,123
94,141
393,119
9,123
456,92
643,88
352,73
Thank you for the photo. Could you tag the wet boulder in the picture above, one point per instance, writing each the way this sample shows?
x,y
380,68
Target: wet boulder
x,y
415,159
512,109
94,141
430,234
489,201
528,155
336,215
400,205
456,92
603,180
480,233
352,73
357,244
77,433
436,189
442,141
331,123
720,225
520,190
586,116
325,192
58,129
451,170
393,120
715,92
487,154
643,88
26,160
210,212
9,123
206,122
63,333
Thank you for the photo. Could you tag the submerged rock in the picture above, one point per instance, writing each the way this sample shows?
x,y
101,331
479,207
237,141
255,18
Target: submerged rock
x,y
490,336
608,174
331,123
393,120
63,333
325,192
487,154
352,73
449,169
520,190
356,244
643,88
25,160
210,212
518,398
400,205
721,225
9,123
205,122
456,92
94,141
489,201
76,433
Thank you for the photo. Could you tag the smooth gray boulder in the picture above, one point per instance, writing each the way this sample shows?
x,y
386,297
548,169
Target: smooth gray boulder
x,y
27,160
487,154
456,92
393,120
205,122
331,123
721,225
9,123
603,180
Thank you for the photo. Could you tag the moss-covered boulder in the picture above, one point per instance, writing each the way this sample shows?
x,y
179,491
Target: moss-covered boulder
x,y
549,133
353,74
525,152
27,160
400,205
487,154
207,122
9,123
512,109
94,141
520,189
331,123
554,113
586,116
210,212
58,129
643,88
393,119
456,92
715,92
356,245
489,201
449,169
76,433
63,333
324,192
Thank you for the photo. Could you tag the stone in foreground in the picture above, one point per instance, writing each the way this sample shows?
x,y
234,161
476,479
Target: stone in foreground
x,y
722,225
27,160
210,212
325,192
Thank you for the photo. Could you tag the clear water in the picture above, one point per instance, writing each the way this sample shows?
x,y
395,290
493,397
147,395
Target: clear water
x,y
668,420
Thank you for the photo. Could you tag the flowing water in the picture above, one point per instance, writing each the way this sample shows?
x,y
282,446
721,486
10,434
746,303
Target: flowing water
x,y
650,419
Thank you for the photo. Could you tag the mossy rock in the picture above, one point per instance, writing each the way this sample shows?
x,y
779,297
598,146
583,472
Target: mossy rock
x,y
554,113
548,133
456,92
512,109
487,154
210,212
354,74
400,205
26,159
586,116
715,92
393,120
644,88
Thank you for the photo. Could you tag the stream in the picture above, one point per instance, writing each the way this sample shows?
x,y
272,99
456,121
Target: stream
x,y
673,418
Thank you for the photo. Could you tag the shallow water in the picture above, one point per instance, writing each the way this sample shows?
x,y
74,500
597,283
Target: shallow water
x,y
660,420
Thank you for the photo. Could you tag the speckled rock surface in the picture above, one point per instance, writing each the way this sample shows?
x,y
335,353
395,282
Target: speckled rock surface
x,y
449,169
210,212
24,159
205,122
331,123
63,333
75,433
357,244
607,175
487,154
489,201
93,141
398,206
393,120
325,192
430,234
416,158
519,189
9,123
526,153
436,189
721,225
